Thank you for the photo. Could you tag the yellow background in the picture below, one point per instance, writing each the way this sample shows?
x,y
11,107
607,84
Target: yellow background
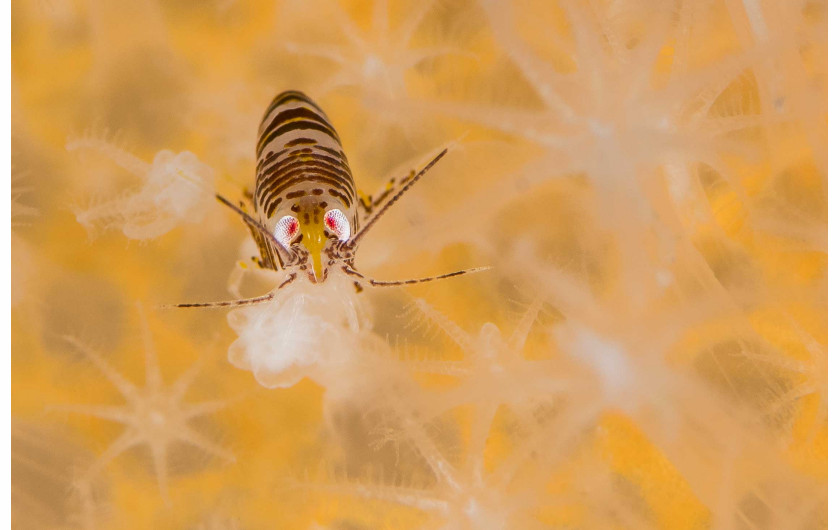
x,y
651,175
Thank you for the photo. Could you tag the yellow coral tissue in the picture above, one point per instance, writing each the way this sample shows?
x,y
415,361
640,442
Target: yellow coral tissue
x,y
392,264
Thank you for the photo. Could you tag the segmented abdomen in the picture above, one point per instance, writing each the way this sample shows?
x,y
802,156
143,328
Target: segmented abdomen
x,y
299,154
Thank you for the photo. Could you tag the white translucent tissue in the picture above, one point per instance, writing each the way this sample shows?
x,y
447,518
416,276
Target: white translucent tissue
x,y
175,189
307,330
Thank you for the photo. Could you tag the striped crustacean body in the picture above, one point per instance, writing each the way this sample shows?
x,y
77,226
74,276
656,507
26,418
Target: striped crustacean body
x,y
301,170
308,216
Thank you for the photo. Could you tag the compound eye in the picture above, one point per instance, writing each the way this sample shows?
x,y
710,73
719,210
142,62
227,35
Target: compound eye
x,y
286,230
337,224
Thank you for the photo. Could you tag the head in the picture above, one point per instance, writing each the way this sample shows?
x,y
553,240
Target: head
x,y
310,229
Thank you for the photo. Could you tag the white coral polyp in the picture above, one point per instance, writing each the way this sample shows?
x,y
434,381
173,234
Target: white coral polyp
x,y
179,188
306,331
180,182
176,189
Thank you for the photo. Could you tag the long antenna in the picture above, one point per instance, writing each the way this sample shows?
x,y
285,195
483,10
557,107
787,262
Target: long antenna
x,y
351,244
287,257
395,283
243,301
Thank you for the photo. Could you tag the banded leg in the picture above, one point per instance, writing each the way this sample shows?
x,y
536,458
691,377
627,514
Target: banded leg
x,y
369,203
371,219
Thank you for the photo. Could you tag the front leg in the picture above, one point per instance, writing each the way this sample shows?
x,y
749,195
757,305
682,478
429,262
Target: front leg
x,y
369,202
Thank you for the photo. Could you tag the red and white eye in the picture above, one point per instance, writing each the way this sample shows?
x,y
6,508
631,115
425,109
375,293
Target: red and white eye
x,y
337,224
286,230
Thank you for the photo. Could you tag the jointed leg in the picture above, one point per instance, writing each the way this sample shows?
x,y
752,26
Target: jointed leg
x,y
369,202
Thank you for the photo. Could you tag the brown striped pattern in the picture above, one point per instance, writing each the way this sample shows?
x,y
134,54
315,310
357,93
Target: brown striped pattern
x,y
299,151
299,158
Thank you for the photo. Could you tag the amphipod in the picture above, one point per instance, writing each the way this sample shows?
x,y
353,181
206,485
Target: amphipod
x,y
308,217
